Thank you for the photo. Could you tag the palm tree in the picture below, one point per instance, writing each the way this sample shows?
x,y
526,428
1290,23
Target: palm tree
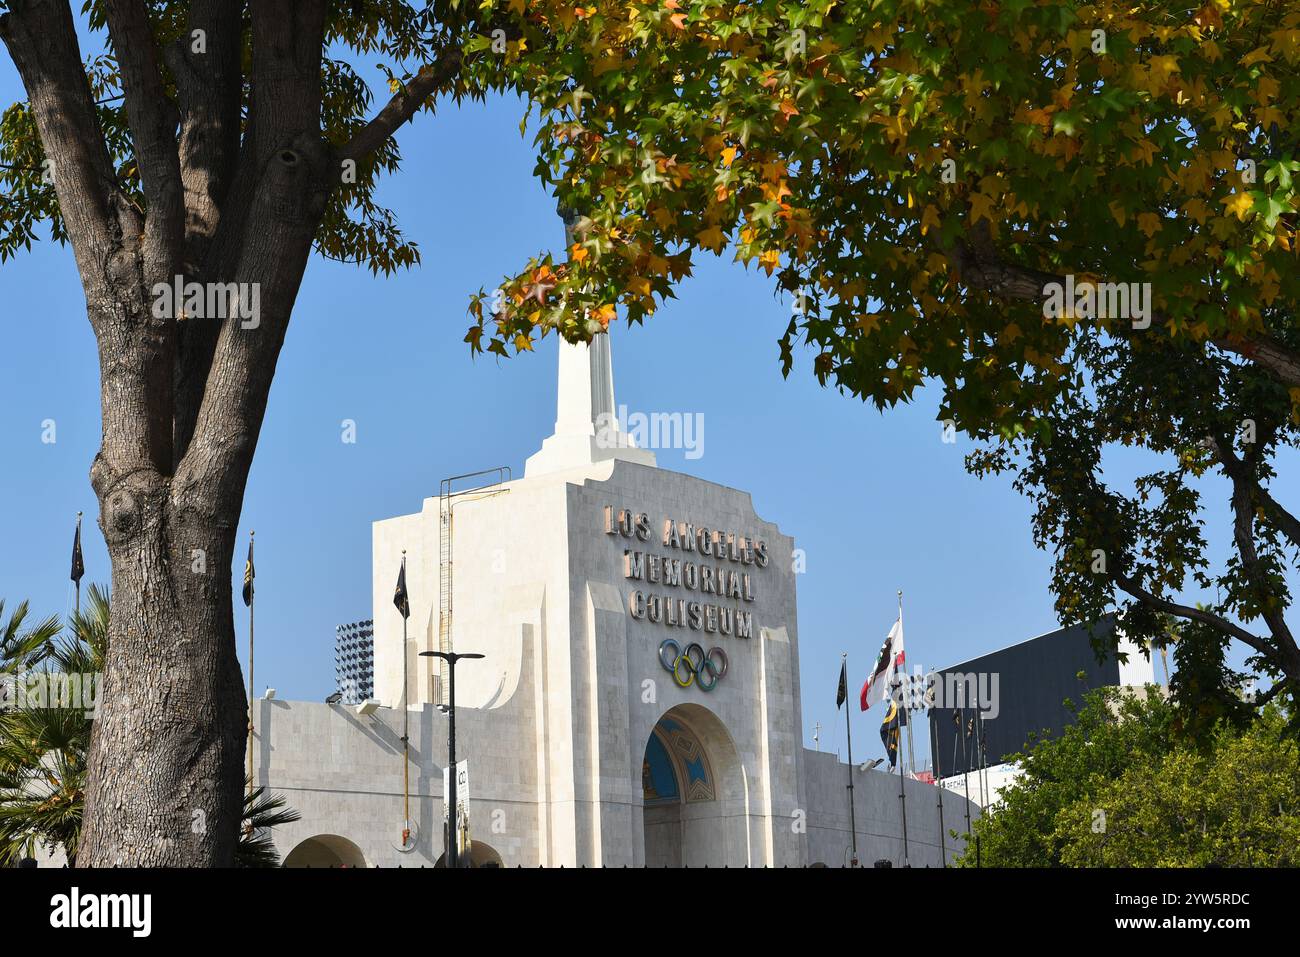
x,y
43,750
261,813
21,648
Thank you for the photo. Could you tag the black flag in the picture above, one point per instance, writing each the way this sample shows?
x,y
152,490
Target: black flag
x,y
400,598
889,733
842,694
78,566
249,575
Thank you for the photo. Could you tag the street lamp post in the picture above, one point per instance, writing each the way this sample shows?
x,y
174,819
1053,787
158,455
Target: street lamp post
x,y
451,657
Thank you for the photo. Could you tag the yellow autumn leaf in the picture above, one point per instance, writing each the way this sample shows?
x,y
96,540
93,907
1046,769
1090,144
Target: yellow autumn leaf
x,y
711,238
929,219
1239,204
1197,209
981,206
1149,223
1259,55
868,323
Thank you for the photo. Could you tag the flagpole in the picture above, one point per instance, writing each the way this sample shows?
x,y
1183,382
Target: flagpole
x,y
982,752
848,734
934,745
907,716
902,796
252,597
983,748
907,708
78,581
406,723
965,772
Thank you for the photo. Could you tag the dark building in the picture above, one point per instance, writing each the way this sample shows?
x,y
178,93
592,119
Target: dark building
x,y
1029,683
354,661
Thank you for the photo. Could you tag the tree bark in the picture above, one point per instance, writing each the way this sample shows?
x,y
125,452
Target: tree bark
x,y
182,397
167,749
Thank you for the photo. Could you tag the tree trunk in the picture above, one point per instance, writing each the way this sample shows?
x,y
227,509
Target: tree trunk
x,y
168,745
238,198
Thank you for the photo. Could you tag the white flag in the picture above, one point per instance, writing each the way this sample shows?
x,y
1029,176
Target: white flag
x,y
890,661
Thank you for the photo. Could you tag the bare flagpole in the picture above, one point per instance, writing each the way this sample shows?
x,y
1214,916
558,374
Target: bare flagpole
x,y
965,760
907,681
848,734
904,685
406,724
252,596
934,739
902,797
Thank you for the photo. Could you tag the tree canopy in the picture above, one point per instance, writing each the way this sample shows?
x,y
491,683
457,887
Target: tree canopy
x,y
918,172
919,176
932,183
1126,786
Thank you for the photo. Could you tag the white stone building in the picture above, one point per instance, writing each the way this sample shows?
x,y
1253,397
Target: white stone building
x,y
581,583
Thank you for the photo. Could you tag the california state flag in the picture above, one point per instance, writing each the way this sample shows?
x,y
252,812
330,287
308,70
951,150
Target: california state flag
x,y
890,661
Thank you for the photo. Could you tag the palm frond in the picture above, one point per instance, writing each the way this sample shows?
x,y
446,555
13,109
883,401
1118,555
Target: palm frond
x,y
262,812
44,747
23,647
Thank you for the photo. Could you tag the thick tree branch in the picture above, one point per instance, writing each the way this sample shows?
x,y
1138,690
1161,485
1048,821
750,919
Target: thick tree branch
x,y
1244,487
1194,614
152,118
288,36
209,84
431,78
1287,523
1269,354
981,266
205,63
42,40
264,240
105,228
1237,470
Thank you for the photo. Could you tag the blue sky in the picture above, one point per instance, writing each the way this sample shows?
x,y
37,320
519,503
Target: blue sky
x,y
878,502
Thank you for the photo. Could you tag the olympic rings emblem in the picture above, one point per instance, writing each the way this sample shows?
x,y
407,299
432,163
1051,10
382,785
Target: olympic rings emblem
x,y
694,665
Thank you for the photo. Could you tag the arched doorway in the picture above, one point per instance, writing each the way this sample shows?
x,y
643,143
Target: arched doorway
x,y
480,855
325,850
694,791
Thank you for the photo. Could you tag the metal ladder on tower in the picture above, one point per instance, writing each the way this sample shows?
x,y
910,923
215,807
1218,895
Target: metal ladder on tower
x,y
447,491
